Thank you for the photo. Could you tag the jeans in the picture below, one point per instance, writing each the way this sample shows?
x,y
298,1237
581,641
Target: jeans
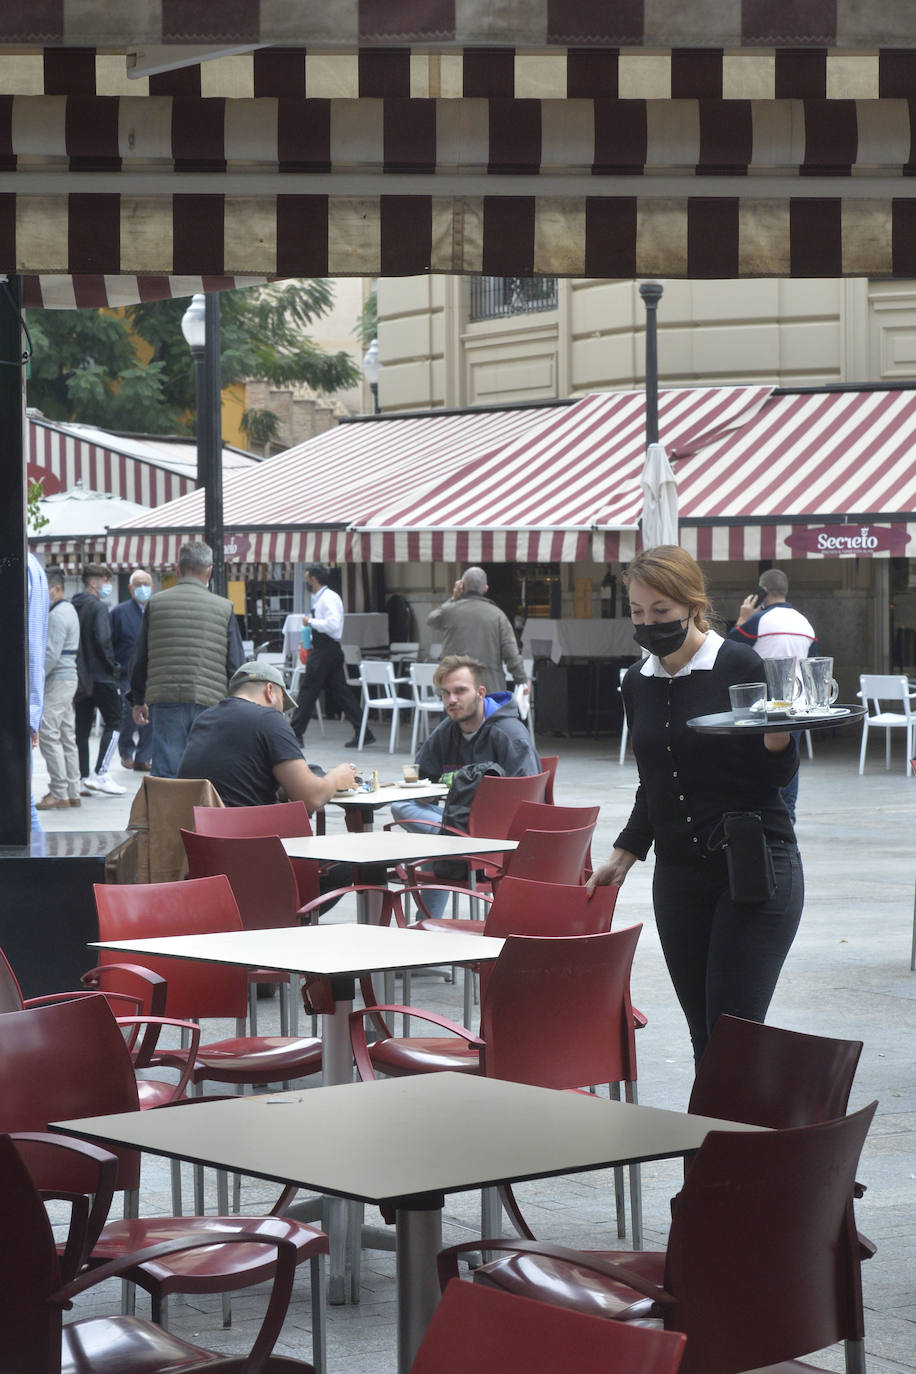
x,y
789,793
407,811
725,956
142,751
171,722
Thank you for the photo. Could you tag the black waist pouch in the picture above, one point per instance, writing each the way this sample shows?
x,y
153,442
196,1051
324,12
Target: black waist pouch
x,y
751,877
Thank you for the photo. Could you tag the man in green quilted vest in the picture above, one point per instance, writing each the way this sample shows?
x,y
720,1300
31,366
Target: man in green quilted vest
x,y
188,647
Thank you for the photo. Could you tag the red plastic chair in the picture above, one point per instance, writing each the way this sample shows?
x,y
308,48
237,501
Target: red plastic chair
x,y
68,1061
266,893
480,1329
197,990
37,1285
549,763
762,1264
588,1039
289,820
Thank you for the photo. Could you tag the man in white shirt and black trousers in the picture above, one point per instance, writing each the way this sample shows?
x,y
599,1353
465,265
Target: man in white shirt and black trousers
x,y
324,668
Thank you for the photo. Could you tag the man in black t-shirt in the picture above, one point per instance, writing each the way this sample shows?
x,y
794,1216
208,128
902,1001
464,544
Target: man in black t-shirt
x,y
246,747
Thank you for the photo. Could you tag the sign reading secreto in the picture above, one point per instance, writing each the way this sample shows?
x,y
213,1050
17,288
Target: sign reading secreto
x,y
235,547
857,541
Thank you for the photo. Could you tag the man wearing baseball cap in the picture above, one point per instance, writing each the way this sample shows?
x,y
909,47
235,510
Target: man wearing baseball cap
x,y
246,747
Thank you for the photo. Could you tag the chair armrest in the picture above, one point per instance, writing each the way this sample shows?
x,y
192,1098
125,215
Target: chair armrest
x,y
281,1292
144,1055
447,1265
158,987
391,902
359,1044
50,998
86,1221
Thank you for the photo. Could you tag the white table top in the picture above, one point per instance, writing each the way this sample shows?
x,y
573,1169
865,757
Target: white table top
x,y
390,847
401,1138
339,950
392,792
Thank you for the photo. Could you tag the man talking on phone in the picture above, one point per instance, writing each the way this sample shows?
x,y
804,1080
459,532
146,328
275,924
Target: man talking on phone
x,y
775,629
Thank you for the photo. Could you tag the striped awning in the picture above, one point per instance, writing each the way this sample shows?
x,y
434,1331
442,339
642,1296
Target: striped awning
x,y
761,474
300,505
71,459
825,460
559,490
764,139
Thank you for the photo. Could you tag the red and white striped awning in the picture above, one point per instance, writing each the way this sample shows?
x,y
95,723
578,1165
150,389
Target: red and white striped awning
x,y
300,505
835,459
558,491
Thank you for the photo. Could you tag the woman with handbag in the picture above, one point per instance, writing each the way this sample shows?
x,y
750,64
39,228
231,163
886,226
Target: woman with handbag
x,y
728,887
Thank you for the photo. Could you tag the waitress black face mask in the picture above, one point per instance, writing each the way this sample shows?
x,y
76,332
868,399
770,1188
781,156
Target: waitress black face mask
x,y
663,638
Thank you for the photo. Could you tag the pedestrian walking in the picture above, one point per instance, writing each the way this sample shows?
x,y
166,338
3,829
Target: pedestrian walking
x,y
57,735
97,681
324,668
471,624
135,742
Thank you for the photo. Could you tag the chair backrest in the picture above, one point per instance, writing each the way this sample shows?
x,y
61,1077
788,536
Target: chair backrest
x,y
878,687
63,1061
767,1076
549,763
767,1212
496,801
136,911
588,1037
375,672
29,1271
521,907
545,816
159,809
421,679
260,874
289,820
551,856
482,1329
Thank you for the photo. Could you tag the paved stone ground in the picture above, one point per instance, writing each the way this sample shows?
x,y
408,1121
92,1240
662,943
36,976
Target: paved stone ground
x,y
847,975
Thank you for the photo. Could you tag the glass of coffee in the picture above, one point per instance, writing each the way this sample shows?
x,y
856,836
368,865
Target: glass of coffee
x,y
821,686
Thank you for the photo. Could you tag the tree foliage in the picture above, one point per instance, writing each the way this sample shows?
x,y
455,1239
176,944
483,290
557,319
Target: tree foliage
x,y
86,365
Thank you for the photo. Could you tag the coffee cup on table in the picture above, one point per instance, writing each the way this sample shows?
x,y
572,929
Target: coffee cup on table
x,y
821,688
411,773
749,700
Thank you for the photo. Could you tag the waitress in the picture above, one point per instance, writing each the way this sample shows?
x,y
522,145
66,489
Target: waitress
x,y
724,953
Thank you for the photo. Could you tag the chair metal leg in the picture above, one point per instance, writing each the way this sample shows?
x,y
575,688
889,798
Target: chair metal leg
x,y
318,1283
913,945
855,1356
864,744
175,1171
253,1008
635,1186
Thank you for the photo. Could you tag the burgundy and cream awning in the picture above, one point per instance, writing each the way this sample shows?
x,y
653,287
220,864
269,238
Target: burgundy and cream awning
x,y
151,150
300,505
761,474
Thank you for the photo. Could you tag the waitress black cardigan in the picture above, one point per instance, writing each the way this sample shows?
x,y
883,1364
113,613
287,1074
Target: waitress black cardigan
x,y
687,781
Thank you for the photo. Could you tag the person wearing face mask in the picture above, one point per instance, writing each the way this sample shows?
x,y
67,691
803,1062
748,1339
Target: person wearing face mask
x,y
136,741
97,681
724,952
324,670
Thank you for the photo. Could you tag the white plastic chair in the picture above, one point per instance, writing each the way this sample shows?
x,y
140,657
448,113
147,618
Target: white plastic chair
x,y
875,688
426,700
295,684
381,676
353,657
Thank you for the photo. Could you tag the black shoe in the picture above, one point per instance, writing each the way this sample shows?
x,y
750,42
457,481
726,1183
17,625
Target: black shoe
x,y
354,742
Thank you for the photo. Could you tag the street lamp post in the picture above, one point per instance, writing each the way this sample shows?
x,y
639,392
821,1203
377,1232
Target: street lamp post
x,y
651,292
371,370
200,326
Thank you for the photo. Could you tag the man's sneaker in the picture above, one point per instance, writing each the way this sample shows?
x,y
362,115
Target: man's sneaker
x,y
101,782
126,763
87,787
354,742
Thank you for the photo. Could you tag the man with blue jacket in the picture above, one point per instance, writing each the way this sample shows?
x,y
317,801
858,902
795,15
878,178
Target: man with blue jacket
x,y
126,621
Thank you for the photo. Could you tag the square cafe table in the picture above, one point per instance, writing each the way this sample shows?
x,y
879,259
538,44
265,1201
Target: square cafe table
x,y
340,952
365,804
406,1143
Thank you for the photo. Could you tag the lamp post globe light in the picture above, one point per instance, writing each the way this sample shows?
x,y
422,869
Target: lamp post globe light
x,y
200,327
371,370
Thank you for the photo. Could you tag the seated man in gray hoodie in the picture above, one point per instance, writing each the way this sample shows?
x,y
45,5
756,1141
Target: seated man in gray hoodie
x,y
480,727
